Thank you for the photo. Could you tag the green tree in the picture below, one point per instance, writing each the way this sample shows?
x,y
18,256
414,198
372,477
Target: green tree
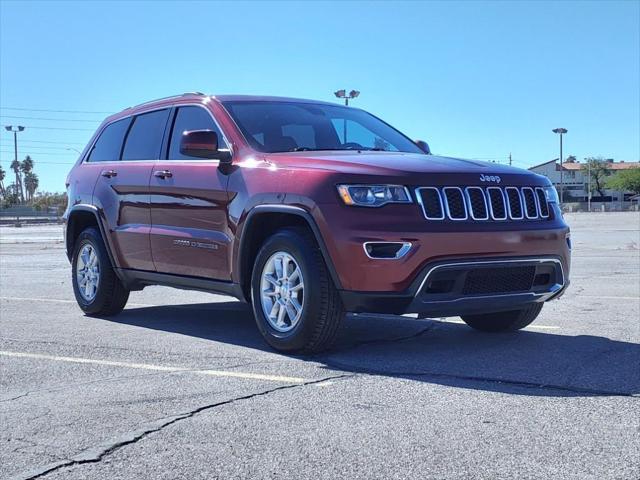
x,y
31,182
625,180
599,169
3,174
15,166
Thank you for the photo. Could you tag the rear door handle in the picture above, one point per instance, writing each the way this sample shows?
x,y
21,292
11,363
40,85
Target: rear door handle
x,y
162,174
109,173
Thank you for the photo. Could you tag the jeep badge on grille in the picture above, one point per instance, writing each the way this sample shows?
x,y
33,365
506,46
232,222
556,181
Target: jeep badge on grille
x,y
489,178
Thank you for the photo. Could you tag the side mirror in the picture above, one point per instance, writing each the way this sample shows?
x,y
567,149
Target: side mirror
x,y
424,146
200,143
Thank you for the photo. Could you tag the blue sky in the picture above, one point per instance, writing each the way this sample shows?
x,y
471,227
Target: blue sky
x,y
475,79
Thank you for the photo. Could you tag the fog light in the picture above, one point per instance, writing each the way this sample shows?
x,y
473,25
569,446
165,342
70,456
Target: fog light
x,y
386,250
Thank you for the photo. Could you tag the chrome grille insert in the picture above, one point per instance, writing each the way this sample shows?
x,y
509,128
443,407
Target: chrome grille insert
x,y
483,203
497,203
514,201
430,200
477,203
454,203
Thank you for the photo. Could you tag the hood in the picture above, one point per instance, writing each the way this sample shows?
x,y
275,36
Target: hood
x,y
396,164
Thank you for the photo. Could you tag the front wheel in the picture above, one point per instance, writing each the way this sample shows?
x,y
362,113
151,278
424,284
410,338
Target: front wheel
x,y
296,305
97,289
504,321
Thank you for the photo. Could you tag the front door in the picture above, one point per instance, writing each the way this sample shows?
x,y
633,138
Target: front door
x,y
189,232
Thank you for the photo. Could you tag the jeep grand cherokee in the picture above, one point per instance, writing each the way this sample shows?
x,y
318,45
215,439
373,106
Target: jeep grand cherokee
x,y
306,210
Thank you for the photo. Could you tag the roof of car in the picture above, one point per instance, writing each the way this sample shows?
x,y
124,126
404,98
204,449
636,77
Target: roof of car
x,y
263,98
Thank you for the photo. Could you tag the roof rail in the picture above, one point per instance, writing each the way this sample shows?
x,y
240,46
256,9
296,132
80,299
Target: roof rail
x,y
165,98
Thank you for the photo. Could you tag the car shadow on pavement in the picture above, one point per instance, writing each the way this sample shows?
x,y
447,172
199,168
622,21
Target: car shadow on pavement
x,y
527,362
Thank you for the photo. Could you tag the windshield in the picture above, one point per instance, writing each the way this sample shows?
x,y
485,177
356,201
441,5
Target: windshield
x,y
289,127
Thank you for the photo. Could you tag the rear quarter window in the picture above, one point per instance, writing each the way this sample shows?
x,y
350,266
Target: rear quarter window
x,y
109,144
144,140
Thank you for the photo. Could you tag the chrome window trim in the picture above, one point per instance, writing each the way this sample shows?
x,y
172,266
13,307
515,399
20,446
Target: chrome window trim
x,y
406,246
470,206
424,212
535,203
151,109
544,195
508,201
504,202
464,204
557,287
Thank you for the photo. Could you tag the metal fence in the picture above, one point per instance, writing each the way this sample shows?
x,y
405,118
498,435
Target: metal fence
x,y
600,207
22,214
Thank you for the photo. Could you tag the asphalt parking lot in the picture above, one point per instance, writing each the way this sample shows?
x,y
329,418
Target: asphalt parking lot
x,y
181,385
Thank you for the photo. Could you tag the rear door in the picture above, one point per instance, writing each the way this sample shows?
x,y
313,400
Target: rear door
x,y
122,189
189,233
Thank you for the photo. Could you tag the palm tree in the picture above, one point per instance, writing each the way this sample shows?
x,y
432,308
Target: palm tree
x,y
30,184
27,164
15,166
2,175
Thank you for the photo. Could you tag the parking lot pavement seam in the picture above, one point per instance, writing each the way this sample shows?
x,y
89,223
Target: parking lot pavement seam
x,y
377,341
98,453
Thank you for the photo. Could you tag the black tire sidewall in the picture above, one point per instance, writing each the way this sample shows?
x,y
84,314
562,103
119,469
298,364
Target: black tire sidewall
x,y
299,248
92,237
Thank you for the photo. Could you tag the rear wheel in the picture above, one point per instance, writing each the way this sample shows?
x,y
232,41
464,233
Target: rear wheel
x,y
504,321
97,289
295,303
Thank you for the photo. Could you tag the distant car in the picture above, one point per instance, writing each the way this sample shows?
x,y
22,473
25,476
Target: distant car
x,y
306,210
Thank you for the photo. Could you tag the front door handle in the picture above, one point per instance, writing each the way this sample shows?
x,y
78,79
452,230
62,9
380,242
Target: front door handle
x,y
162,174
109,173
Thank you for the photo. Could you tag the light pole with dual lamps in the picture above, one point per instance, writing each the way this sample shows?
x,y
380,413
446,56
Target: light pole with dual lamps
x,y
561,131
343,94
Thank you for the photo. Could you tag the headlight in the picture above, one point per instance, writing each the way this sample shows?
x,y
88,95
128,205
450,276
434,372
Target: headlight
x,y
373,195
551,193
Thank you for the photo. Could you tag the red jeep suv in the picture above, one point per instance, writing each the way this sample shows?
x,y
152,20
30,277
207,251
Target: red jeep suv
x,y
306,210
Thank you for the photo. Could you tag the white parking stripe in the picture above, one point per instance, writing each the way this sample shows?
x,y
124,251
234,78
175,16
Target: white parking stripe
x,y
539,327
59,300
161,368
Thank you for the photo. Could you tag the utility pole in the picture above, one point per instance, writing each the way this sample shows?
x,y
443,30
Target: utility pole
x,y
343,94
15,130
561,131
509,159
589,185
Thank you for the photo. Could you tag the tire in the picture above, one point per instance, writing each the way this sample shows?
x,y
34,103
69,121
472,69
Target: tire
x,y
504,321
322,310
109,295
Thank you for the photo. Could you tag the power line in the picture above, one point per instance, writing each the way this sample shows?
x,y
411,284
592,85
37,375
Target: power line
x,y
52,111
37,147
45,141
60,128
41,153
51,119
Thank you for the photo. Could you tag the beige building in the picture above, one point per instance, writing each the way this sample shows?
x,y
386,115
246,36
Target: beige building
x,y
576,182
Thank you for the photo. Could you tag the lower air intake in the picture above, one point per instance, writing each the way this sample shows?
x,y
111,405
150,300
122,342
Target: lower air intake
x,y
483,281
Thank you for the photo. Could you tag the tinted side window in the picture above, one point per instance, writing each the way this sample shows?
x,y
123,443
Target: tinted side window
x,y
108,146
145,136
191,118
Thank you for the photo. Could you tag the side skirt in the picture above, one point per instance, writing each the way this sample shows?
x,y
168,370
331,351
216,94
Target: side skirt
x,y
138,279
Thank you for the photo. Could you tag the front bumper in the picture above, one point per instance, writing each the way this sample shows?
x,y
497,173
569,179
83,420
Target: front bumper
x,y
454,288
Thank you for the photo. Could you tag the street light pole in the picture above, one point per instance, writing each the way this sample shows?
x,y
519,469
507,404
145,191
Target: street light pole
x,y
15,130
343,94
561,131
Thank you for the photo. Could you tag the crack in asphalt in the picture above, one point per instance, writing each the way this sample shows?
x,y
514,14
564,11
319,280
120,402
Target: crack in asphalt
x,y
96,454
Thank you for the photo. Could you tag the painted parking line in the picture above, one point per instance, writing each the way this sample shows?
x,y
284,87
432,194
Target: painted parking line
x,y
60,300
158,368
539,327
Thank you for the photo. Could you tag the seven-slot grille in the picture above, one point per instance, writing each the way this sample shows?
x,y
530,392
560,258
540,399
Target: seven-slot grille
x,y
483,203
